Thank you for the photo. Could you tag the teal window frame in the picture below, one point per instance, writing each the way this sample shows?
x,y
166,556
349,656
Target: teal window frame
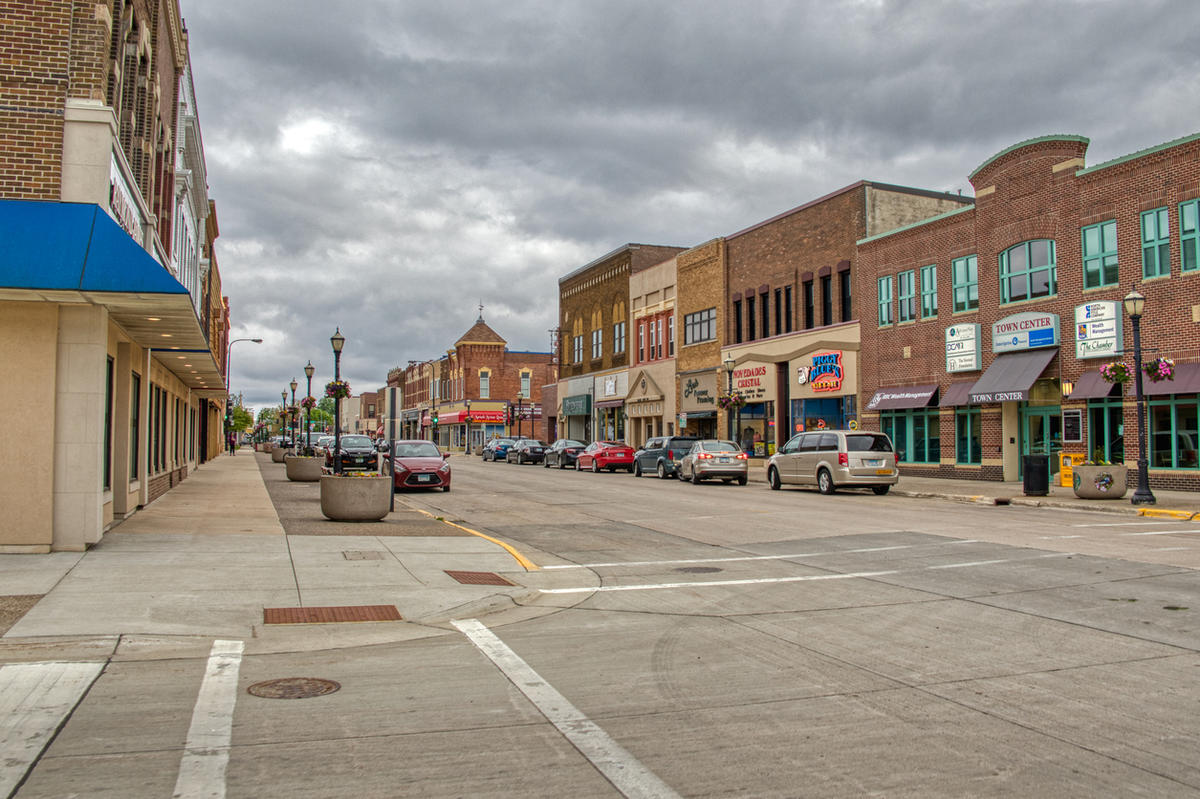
x,y
1100,255
1106,418
1189,236
885,301
1021,278
964,274
916,433
1156,243
929,291
906,296
968,436
1169,428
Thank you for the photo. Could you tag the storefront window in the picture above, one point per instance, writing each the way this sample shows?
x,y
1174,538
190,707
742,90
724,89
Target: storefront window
x,y
968,435
1174,434
915,434
1106,431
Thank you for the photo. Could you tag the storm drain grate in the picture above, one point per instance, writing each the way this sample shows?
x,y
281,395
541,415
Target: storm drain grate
x,y
478,578
331,615
359,554
293,688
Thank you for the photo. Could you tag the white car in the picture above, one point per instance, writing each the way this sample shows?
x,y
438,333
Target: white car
x,y
322,445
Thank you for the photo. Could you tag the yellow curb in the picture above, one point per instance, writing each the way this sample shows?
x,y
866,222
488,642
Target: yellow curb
x,y
1155,513
525,562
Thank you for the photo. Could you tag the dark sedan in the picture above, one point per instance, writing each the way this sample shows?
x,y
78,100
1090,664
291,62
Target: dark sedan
x,y
527,450
497,449
419,464
358,454
562,453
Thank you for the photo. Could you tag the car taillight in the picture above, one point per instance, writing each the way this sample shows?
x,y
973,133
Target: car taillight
x,y
741,456
843,459
704,456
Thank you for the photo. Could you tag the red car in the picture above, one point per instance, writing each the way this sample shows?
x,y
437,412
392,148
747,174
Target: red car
x,y
611,455
419,464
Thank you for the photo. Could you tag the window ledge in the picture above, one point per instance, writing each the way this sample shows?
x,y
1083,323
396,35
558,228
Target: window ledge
x,y
1034,301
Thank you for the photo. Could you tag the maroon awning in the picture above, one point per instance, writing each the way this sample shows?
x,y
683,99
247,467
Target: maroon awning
x,y
902,397
1187,381
957,394
609,404
1091,385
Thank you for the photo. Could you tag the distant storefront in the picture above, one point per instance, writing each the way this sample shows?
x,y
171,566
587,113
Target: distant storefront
x,y
650,402
609,405
698,403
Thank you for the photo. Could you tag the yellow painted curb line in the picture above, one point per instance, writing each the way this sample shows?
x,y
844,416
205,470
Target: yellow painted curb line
x,y
525,562
1155,513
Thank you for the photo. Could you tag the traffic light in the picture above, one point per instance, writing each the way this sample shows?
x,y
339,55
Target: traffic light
x,y
433,418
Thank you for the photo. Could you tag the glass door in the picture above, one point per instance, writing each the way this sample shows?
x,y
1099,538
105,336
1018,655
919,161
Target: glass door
x,y
1041,433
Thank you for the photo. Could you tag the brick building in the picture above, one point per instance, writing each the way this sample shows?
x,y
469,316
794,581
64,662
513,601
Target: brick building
x,y
700,296
789,319
984,329
593,341
650,403
110,305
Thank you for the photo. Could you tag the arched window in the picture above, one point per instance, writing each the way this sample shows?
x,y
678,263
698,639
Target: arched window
x,y
1028,271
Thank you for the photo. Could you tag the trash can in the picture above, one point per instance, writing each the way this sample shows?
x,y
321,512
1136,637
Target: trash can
x,y
1036,470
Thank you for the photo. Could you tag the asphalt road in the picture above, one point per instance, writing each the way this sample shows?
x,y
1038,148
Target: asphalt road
x,y
716,641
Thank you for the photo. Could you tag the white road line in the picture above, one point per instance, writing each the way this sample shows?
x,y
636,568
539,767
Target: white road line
x,y
734,559
618,766
710,583
35,699
1124,524
1165,532
999,560
206,753
1056,537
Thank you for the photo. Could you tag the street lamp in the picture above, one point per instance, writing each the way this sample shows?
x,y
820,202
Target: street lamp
x,y
229,402
1135,303
308,373
295,441
282,416
467,445
729,363
338,341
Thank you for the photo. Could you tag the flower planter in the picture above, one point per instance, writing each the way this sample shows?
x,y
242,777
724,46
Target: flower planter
x,y
267,446
355,499
303,470
278,454
1099,482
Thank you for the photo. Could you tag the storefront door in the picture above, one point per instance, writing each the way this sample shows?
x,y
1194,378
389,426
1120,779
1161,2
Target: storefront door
x,y
1041,432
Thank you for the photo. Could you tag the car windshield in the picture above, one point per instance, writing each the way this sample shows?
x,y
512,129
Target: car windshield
x,y
417,449
533,442
719,446
866,442
504,442
356,441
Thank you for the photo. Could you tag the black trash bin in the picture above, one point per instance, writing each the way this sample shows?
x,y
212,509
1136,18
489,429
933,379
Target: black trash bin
x,y
1037,475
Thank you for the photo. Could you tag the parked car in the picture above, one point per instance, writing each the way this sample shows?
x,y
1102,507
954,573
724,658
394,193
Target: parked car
x,y
833,459
419,464
563,452
526,450
358,453
382,445
712,458
661,455
497,449
322,444
611,455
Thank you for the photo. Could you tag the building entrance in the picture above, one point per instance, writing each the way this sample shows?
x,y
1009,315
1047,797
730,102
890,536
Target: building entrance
x,y
1041,433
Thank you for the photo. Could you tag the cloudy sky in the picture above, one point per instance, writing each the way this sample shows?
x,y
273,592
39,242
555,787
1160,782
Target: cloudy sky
x,y
387,166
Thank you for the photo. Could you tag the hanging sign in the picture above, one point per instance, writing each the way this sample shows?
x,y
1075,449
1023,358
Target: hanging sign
x,y
962,348
1098,330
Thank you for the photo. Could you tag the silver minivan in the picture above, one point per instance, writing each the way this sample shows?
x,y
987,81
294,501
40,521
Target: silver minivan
x,y
832,459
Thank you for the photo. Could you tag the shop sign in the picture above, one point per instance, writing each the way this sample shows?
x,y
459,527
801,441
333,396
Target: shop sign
x,y
755,381
825,373
610,386
699,392
1025,331
1098,330
962,348
578,405
121,204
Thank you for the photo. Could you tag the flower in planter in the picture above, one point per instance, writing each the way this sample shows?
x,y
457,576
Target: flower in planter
x,y
1115,372
1159,369
337,389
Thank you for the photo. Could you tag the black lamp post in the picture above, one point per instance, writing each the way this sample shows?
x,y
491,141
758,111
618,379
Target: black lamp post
x,y
283,424
729,363
1135,303
308,373
338,341
467,443
295,417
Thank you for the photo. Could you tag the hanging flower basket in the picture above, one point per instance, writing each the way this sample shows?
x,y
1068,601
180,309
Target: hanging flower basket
x,y
1159,369
1115,372
308,403
337,389
733,401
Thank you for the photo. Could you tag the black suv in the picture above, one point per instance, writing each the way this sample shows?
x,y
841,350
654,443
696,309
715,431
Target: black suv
x,y
661,455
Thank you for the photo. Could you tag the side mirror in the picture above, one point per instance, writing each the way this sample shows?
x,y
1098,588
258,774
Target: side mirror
x,y
445,455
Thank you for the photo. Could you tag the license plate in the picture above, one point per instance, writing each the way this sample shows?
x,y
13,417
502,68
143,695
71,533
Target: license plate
x,y
883,471
876,462
425,478
724,460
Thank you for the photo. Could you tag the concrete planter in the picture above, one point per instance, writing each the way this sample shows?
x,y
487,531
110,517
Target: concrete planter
x,y
278,454
355,499
1100,482
267,446
303,470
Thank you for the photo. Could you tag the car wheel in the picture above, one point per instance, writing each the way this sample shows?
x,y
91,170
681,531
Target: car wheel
x,y
595,466
578,468
880,490
520,460
825,482
695,477
773,479
662,471
445,488
743,480
637,469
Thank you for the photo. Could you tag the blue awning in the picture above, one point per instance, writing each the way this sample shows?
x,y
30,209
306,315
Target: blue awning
x,y
77,253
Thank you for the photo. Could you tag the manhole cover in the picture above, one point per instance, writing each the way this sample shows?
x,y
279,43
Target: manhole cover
x,y
293,688
698,569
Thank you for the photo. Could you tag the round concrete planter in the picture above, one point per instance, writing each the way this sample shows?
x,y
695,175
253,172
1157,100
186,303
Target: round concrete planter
x,y
355,499
303,470
1099,482
267,446
278,454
